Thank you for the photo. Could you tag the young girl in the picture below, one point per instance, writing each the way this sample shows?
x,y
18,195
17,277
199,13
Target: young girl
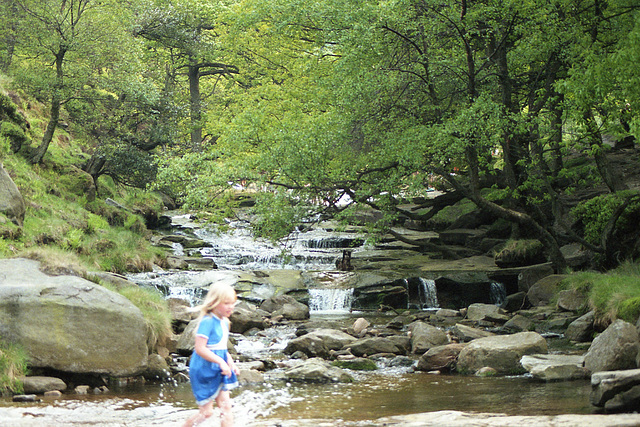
x,y
211,368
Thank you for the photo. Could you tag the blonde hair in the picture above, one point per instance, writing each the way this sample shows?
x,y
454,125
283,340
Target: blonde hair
x,y
218,293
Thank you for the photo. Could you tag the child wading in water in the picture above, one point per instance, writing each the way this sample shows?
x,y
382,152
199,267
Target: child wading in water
x,y
211,368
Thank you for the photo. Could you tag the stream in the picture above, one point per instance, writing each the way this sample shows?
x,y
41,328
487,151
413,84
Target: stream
x,y
391,390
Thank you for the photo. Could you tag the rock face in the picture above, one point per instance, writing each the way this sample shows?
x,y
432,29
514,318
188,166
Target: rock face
x,y
501,352
616,391
11,201
614,349
68,323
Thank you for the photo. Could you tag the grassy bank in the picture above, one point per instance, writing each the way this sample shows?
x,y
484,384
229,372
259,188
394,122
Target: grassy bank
x,y
612,295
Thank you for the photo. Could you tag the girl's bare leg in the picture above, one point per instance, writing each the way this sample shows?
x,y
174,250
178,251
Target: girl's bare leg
x,y
205,412
224,403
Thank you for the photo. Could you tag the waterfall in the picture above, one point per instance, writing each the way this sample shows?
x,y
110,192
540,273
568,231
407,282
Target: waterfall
x,y
497,293
330,300
427,293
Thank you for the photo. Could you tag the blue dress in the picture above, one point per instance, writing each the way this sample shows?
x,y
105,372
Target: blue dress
x,y
206,377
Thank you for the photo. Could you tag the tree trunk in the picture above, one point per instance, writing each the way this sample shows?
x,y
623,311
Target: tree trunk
x,y
612,179
195,107
54,112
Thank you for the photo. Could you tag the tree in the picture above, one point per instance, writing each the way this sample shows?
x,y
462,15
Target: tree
x,y
377,99
190,30
63,45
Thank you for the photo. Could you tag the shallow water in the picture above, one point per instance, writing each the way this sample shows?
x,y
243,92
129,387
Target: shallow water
x,y
372,396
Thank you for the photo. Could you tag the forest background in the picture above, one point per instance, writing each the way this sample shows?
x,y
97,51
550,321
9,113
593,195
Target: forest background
x,y
331,107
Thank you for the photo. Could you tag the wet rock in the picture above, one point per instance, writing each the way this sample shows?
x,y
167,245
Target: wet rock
x,y
319,343
246,317
356,364
250,376
501,352
53,394
317,371
442,357
286,306
374,345
581,329
515,302
25,398
157,368
424,336
40,384
616,391
81,389
555,367
614,349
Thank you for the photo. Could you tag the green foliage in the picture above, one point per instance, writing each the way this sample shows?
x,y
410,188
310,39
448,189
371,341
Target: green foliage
x,y
13,365
595,213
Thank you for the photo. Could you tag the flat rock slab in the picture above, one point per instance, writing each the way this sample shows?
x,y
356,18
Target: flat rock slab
x,y
555,367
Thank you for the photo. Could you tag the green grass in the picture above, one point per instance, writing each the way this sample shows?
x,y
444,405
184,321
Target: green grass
x,y
154,308
13,365
612,295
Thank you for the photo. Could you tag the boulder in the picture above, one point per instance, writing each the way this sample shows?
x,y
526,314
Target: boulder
x,y
424,336
286,306
70,324
440,358
319,343
581,329
544,290
374,345
616,391
317,371
41,385
466,333
555,367
245,317
518,323
571,300
11,201
490,312
501,352
614,349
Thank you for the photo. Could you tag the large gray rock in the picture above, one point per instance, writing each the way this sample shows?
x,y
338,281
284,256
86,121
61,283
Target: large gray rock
x,y
581,329
319,342
40,385
501,352
375,345
245,317
479,311
286,306
70,324
555,367
11,201
614,349
466,333
616,390
438,358
317,371
424,336
545,289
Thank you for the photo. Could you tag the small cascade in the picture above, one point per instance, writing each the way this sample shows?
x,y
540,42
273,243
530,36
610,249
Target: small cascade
x,y
497,293
427,293
330,300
